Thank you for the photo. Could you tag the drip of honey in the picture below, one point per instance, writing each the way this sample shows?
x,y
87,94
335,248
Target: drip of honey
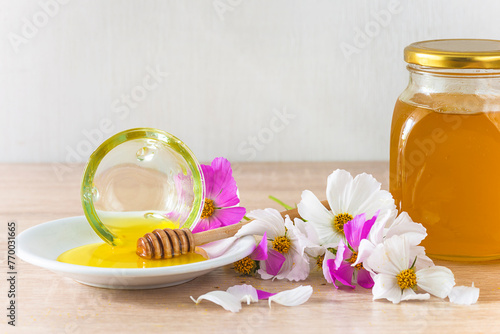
x,y
445,173
128,230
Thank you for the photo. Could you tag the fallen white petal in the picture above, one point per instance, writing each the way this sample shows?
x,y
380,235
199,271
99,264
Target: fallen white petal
x,y
222,298
464,295
292,297
244,293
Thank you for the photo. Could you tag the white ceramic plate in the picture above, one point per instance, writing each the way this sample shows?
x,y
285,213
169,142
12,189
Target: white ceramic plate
x,y
42,244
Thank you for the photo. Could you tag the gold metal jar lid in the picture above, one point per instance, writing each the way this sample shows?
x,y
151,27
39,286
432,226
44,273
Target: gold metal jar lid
x,y
455,53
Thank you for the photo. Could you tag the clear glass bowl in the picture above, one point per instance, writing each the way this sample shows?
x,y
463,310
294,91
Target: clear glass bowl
x,y
139,180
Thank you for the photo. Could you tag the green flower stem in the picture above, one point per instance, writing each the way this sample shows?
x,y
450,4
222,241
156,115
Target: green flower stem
x,y
286,206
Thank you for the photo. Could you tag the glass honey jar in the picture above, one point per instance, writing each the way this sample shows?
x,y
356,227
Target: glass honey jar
x,y
445,146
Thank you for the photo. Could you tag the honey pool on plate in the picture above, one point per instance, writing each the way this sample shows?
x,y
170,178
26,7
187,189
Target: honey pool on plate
x,y
123,256
445,172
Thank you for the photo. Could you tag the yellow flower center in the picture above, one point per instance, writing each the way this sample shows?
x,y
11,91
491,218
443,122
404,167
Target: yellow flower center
x,y
208,209
353,259
340,220
245,266
281,244
319,261
407,278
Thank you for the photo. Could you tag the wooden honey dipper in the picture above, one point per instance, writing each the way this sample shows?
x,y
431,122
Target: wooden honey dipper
x,y
167,243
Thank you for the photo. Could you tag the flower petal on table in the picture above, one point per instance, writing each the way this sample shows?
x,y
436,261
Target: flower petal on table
x,y
264,294
292,297
222,298
244,293
464,295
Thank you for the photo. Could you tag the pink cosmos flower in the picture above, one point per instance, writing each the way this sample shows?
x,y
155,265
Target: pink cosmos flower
x,y
221,197
343,267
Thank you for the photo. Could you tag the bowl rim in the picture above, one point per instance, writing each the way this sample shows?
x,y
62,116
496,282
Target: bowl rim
x,y
242,247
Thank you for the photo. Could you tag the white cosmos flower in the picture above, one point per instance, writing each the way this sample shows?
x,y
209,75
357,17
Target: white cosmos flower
x,y
286,257
309,239
396,279
388,226
347,198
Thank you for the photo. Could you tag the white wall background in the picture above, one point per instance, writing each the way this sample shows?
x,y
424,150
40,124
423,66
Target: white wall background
x,y
66,72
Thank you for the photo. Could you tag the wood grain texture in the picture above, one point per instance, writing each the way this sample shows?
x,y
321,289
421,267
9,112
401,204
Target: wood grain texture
x,y
227,78
48,303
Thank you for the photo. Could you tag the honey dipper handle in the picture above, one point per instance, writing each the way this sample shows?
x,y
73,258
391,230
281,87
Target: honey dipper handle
x,y
229,231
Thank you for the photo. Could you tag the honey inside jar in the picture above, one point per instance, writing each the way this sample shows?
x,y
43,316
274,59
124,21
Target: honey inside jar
x,y
444,172
445,146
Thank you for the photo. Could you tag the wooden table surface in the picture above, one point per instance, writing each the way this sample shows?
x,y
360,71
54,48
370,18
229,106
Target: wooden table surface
x,y
47,303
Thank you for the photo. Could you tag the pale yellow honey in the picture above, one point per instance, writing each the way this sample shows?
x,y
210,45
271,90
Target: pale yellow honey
x,y
445,172
124,256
